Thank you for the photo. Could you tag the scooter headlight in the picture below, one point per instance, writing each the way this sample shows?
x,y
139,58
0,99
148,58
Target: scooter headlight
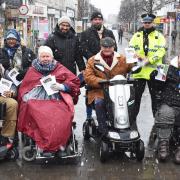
x,y
121,120
134,134
114,135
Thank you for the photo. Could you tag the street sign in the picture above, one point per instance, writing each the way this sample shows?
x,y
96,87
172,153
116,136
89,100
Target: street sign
x,y
23,9
178,17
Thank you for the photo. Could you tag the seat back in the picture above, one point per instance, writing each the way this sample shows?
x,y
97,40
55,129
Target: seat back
x,y
2,113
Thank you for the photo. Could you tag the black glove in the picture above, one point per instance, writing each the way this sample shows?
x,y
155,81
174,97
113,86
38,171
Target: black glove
x,y
153,74
21,75
81,78
136,69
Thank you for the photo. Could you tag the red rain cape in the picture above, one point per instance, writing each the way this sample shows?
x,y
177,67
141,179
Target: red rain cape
x,y
48,122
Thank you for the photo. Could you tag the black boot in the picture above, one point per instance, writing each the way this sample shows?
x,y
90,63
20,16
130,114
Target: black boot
x,y
163,150
177,155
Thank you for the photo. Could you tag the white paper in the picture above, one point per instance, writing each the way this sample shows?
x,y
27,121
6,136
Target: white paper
x,y
174,62
47,82
130,53
162,72
5,85
13,74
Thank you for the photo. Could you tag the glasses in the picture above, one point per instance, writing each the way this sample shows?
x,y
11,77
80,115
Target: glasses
x,y
147,22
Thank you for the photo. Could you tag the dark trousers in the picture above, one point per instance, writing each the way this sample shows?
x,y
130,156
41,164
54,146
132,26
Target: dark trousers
x,y
139,86
101,114
89,107
120,39
165,121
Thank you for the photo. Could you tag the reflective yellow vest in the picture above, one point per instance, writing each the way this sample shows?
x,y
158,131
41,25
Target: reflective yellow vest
x,y
155,55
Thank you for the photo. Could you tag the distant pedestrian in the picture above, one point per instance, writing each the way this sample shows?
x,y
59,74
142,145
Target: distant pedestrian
x,y
120,33
174,35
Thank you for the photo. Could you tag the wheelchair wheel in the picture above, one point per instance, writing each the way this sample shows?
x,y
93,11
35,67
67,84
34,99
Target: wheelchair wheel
x,y
140,150
86,131
12,154
29,154
104,152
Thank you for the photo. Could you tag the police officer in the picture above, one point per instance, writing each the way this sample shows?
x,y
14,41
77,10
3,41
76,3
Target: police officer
x,y
149,45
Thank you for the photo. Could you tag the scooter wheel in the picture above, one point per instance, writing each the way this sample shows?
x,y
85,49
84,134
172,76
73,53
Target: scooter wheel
x,y
104,152
12,154
29,154
86,130
140,150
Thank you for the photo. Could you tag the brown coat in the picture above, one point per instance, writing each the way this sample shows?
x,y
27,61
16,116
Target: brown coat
x,y
92,76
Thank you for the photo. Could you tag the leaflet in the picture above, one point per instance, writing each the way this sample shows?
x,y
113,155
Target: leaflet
x,y
162,72
13,74
47,82
130,55
5,85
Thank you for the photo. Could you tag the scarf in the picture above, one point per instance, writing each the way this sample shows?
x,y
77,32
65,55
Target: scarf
x,y
107,59
44,69
11,50
100,32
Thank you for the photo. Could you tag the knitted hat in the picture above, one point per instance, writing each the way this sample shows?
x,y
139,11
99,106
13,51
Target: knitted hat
x,y
107,42
45,49
96,15
65,19
12,33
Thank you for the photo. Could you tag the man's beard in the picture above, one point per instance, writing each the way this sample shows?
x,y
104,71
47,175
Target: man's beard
x,y
97,26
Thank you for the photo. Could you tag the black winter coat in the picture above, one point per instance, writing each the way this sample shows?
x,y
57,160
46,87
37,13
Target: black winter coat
x,y
171,92
66,49
90,41
27,57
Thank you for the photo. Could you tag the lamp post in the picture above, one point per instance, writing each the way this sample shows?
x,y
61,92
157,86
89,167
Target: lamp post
x,y
3,7
135,15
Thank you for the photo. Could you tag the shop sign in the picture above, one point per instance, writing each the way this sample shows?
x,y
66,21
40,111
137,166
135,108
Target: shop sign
x,y
38,10
2,20
57,14
12,13
70,12
51,11
178,17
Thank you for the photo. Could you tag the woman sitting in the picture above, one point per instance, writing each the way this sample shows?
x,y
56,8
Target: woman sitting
x,y
47,119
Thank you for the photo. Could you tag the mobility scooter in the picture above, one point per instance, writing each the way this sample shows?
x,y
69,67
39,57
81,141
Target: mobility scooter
x,y
8,151
121,137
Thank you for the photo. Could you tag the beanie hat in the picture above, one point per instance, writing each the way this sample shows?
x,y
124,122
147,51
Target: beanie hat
x,y
107,42
12,33
96,15
65,19
45,49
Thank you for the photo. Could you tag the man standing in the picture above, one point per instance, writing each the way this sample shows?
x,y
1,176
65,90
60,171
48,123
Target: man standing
x,y
90,43
149,45
90,39
65,45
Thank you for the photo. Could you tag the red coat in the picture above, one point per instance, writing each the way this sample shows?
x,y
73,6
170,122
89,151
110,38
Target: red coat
x,y
48,122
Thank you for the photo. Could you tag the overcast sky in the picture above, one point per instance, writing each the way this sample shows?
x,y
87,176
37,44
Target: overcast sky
x,y
107,6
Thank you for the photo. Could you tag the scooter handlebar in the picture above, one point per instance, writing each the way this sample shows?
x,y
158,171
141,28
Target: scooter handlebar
x,y
113,82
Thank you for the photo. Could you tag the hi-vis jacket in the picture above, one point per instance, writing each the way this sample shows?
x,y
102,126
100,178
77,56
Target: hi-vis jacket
x,y
156,51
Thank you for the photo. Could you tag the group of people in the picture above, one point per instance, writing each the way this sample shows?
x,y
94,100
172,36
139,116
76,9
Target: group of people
x,y
61,53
